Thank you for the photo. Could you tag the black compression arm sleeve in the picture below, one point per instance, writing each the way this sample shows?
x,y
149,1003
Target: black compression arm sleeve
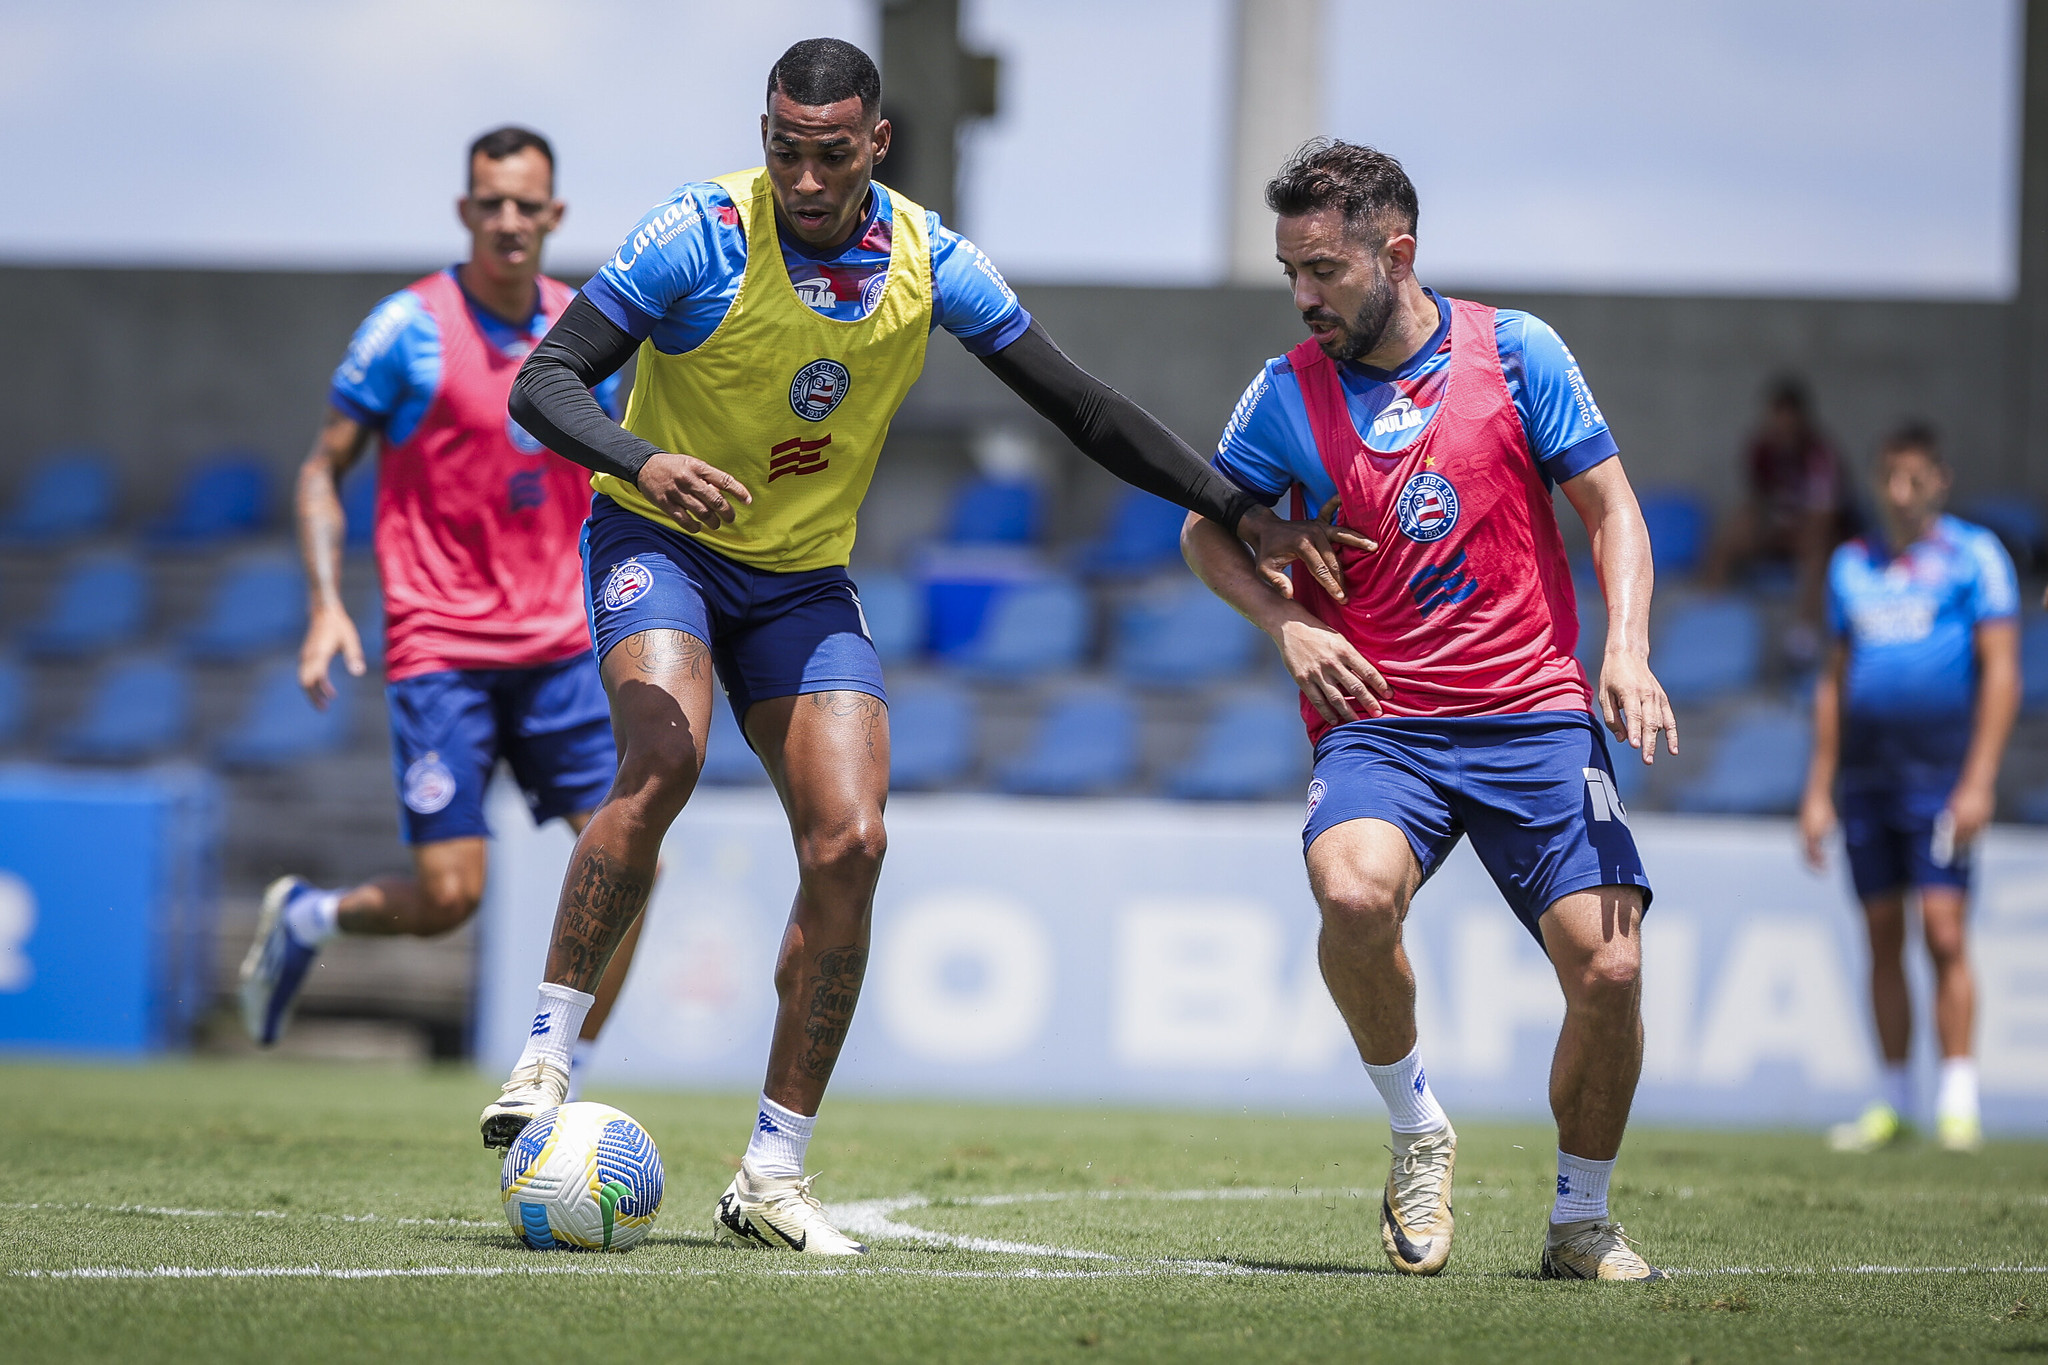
x,y
1113,431
551,398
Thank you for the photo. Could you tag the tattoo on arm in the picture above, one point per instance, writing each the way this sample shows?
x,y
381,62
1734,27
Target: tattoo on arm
x,y
866,710
834,991
668,654
603,898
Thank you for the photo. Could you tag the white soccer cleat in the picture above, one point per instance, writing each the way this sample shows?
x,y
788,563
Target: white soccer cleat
x,y
780,1214
539,1085
1415,1210
1596,1249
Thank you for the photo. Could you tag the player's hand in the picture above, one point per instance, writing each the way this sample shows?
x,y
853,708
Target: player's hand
x,y
1275,544
1970,805
698,496
1332,674
329,633
1816,823
1633,704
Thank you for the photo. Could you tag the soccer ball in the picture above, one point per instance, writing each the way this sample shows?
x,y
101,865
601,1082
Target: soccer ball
x,y
581,1177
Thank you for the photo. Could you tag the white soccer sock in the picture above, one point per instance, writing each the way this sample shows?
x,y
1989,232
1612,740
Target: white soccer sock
x,y
776,1149
1898,1088
1411,1104
1581,1188
1957,1098
556,1022
579,1067
313,919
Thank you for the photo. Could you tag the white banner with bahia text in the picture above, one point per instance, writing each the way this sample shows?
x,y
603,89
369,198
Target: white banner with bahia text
x,y
1142,952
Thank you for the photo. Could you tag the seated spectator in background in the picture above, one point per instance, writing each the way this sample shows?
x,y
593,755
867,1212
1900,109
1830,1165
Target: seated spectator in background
x,y
1792,511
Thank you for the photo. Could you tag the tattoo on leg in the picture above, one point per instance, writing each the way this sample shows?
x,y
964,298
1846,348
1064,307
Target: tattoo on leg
x,y
866,709
665,653
604,897
834,990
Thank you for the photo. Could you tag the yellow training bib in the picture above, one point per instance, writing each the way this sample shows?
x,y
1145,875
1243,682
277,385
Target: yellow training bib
x,y
793,404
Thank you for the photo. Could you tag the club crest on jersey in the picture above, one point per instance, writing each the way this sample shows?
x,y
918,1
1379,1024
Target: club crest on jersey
x,y
817,389
429,786
629,582
1427,508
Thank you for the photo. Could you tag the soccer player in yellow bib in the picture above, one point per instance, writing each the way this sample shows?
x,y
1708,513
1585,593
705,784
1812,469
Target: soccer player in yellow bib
x,y
780,316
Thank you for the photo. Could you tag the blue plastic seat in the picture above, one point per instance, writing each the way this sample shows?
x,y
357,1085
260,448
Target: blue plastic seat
x,y
996,511
99,604
1758,766
70,494
1030,630
728,760
2034,806
14,695
1143,534
931,737
141,708
359,503
1187,637
894,611
1708,648
1253,749
258,606
225,497
1086,745
279,727
2034,664
1677,519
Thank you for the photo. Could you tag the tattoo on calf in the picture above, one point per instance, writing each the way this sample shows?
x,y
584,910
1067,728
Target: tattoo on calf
x,y
666,653
834,991
604,897
866,710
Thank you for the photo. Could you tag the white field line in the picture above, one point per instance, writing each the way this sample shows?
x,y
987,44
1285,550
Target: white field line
x,y
152,1210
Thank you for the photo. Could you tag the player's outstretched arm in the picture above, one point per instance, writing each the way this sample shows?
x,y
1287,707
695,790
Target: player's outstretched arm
x,y
323,529
1817,805
1136,447
551,398
1632,701
1332,674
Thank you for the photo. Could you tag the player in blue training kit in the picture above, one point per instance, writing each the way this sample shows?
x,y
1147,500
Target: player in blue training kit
x,y
1911,717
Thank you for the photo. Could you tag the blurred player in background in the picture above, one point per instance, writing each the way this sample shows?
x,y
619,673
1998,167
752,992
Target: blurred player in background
x,y
780,316
487,651
1910,720
1443,697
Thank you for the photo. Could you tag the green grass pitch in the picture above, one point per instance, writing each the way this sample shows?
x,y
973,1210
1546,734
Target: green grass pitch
x,y
1204,1237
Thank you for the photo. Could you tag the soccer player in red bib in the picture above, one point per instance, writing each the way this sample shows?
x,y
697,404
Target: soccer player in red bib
x,y
1441,689
487,646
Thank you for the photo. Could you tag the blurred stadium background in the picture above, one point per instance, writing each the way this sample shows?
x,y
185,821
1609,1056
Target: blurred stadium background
x,y
206,198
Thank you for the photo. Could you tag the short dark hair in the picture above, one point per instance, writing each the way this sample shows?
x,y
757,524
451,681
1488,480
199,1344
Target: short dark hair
x,y
1914,435
500,143
1789,390
820,71
1369,186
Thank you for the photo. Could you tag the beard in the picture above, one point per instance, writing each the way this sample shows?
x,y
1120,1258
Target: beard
x,y
1367,327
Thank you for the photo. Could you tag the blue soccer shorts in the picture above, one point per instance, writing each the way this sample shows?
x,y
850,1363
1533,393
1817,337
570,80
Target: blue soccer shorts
x,y
1535,791
1896,778
550,722
771,634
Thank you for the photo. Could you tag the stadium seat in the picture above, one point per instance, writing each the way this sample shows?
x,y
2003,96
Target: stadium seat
x,y
1086,745
226,497
1708,648
931,737
101,602
2015,519
1143,534
2033,806
1677,519
70,494
359,503
1253,749
996,511
279,727
1182,637
14,699
894,612
728,760
141,708
258,606
2034,664
1030,630
1758,766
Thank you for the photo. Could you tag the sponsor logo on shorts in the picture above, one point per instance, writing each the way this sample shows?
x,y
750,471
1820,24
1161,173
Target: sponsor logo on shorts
x,y
429,786
1427,508
1315,798
629,582
1604,796
798,456
818,388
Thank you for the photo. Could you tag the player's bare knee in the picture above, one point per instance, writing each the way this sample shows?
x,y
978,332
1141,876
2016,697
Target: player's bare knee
x,y
848,850
446,905
1364,913
1612,976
